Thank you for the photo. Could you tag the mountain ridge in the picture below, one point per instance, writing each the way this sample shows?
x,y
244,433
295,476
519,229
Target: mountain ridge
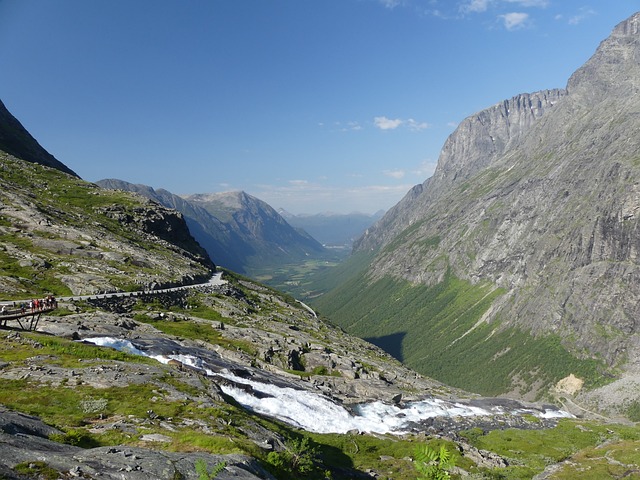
x,y
17,141
550,221
239,231
333,229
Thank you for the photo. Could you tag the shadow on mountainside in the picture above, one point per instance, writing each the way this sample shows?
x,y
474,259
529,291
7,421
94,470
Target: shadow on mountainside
x,y
392,344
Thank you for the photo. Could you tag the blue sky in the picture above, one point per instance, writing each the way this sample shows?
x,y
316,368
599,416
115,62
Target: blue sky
x,y
312,106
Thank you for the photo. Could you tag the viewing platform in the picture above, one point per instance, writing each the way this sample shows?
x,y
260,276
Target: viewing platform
x,y
27,314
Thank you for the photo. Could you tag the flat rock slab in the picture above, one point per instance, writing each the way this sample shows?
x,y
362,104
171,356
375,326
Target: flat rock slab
x,y
23,440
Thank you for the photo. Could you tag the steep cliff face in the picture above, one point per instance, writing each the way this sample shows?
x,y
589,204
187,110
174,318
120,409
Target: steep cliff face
x,y
17,141
482,138
478,141
538,196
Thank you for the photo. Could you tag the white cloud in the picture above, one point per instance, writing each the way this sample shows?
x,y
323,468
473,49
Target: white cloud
x,y
581,16
475,6
315,198
530,3
481,6
391,3
346,126
514,20
425,169
299,183
384,123
397,174
416,126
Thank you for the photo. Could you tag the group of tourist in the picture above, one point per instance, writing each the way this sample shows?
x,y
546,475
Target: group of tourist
x,y
32,306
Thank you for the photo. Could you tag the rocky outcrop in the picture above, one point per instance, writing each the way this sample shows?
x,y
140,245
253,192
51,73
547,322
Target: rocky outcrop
x,y
161,223
25,441
63,235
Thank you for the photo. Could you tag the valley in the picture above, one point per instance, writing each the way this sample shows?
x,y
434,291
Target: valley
x,y
486,326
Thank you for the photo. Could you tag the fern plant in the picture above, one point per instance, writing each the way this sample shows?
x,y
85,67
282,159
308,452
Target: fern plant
x,y
434,464
203,471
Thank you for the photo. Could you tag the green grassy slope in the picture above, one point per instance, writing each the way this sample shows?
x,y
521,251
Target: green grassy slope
x,y
437,331
54,225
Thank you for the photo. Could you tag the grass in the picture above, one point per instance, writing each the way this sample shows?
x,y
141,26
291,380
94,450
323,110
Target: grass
x,y
198,423
38,469
63,352
619,460
436,331
530,451
69,203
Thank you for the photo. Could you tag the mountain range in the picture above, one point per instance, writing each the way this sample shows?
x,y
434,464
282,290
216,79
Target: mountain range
x,y
239,231
150,368
516,264
332,229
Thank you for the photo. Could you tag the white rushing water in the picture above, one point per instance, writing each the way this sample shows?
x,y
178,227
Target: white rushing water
x,y
317,413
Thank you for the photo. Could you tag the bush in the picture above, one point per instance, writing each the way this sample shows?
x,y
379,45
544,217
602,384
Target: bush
x,y
296,459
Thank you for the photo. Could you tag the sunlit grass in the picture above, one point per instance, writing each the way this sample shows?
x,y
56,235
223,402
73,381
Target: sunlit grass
x,y
530,451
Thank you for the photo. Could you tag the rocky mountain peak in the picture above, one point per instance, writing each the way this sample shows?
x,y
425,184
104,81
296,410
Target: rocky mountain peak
x,y
234,199
477,143
614,68
17,141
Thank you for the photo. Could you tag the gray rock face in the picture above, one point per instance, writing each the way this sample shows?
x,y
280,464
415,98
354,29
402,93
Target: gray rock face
x,y
24,440
163,223
540,195
477,143
482,138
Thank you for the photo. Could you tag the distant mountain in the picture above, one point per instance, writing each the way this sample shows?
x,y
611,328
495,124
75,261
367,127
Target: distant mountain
x,y
268,239
333,229
17,141
240,232
518,262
